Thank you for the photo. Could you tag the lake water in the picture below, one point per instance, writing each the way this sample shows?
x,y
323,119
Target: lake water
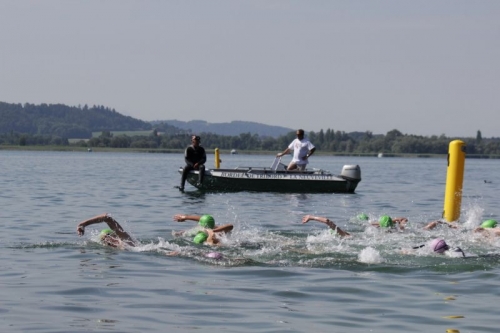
x,y
277,274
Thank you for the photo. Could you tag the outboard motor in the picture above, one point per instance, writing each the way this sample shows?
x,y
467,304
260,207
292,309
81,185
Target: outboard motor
x,y
351,172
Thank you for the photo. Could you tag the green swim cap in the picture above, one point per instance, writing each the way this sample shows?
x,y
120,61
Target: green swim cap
x,y
334,232
207,221
105,232
200,238
489,224
385,221
362,217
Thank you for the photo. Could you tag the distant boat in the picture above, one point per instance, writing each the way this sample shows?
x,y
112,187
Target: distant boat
x,y
380,155
89,150
233,151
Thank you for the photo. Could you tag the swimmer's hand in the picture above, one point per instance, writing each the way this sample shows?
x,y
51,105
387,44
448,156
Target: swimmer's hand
x,y
321,219
80,230
179,218
307,218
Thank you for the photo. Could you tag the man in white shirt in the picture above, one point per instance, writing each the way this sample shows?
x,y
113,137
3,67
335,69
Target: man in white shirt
x,y
302,150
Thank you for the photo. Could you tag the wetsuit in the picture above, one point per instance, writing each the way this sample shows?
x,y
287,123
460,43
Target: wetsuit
x,y
194,155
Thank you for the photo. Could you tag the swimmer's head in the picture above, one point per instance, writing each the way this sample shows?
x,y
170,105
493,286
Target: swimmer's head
x,y
200,238
489,224
334,232
207,221
362,217
385,221
106,232
107,237
438,245
214,255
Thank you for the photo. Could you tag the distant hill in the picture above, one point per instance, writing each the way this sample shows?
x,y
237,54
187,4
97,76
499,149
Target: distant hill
x,y
65,121
80,122
233,128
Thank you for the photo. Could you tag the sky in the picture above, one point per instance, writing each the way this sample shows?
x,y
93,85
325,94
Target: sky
x,y
421,67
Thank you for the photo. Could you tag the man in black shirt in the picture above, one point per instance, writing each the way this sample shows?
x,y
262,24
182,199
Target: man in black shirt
x,y
195,158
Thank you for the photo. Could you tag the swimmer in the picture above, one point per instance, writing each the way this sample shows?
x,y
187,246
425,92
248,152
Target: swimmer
x,y
214,255
489,228
208,233
326,221
438,245
114,236
363,217
385,221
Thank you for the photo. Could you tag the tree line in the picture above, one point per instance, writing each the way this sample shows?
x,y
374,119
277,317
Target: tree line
x,y
53,124
329,141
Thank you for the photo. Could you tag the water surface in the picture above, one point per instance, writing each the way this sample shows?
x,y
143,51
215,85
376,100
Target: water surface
x,y
278,275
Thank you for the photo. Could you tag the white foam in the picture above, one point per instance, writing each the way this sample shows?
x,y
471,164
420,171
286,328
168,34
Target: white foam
x,y
472,216
370,256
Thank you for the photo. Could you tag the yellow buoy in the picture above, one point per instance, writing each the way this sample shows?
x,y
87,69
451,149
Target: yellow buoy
x,y
217,159
454,181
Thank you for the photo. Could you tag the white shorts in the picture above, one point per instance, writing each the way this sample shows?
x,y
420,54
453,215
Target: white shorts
x,y
301,167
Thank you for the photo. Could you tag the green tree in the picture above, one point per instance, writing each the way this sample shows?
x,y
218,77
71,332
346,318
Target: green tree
x,y
479,137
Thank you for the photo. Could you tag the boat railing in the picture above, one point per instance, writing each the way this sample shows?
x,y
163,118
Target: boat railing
x,y
277,165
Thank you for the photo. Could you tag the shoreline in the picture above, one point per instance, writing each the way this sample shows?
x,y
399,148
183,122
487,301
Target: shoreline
x,y
224,152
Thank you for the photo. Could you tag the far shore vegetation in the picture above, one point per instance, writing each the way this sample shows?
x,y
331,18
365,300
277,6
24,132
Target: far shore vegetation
x,y
99,128
329,143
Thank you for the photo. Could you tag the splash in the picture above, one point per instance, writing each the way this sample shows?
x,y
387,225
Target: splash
x,y
370,256
472,215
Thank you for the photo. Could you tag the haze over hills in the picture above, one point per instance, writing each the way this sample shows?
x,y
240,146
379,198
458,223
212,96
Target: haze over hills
x,y
80,122
233,128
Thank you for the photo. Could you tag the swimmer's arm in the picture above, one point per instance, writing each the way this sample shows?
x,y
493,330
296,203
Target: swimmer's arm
x,y
112,224
479,229
433,224
494,231
80,228
401,221
184,217
212,239
117,228
224,228
326,221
